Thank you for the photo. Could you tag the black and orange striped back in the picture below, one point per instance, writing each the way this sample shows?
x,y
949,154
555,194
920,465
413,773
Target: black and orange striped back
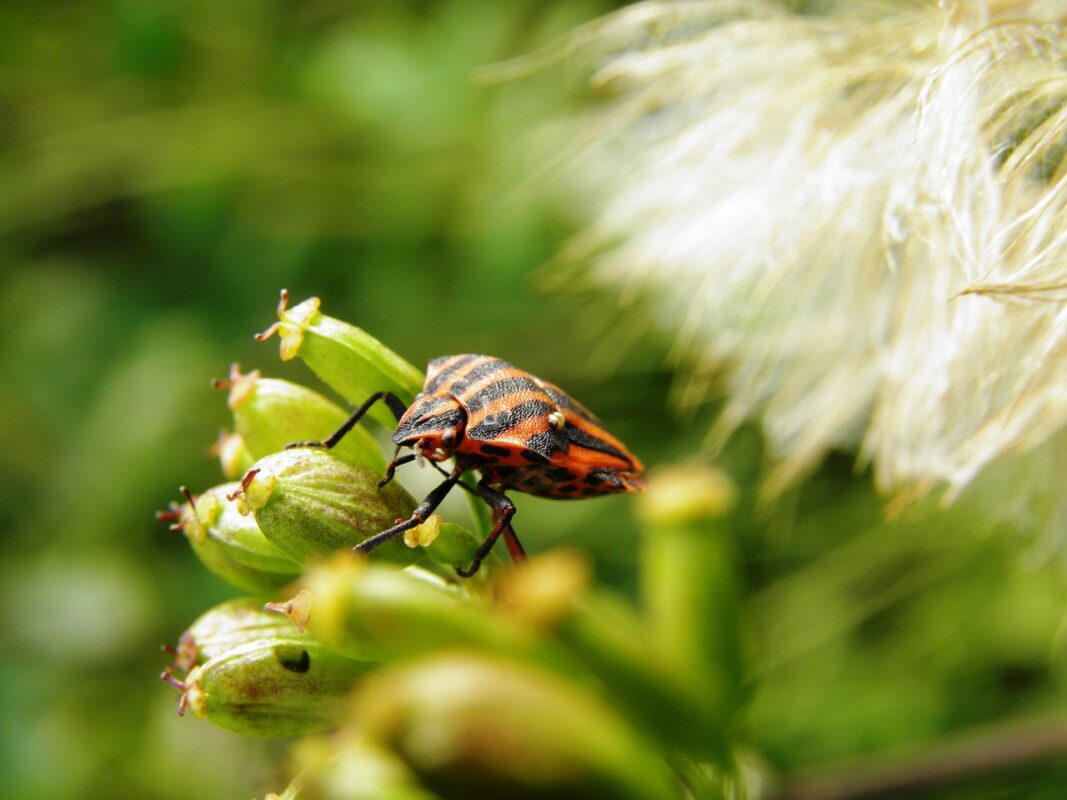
x,y
528,434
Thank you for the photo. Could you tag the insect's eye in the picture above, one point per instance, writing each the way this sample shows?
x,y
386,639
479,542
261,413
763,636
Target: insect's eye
x,y
448,439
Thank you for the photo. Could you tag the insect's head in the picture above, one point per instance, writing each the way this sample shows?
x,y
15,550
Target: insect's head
x,y
433,427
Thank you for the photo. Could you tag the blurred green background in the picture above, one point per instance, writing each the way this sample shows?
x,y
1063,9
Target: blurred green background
x,y
167,167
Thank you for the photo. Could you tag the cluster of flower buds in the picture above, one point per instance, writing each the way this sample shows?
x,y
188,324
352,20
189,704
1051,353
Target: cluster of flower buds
x,y
524,681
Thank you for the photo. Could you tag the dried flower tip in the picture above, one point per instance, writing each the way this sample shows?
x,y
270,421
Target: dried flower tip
x,y
183,701
167,677
207,508
240,386
298,609
425,534
185,517
172,514
689,492
185,654
253,493
291,324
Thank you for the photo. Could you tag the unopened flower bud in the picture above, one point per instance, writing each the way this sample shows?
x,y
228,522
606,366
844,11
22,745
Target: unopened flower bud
x,y
232,453
346,358
689,581
366,609
545,589
688,492
272,687
229,545
355,771
469,725
453,546
311,504
269,414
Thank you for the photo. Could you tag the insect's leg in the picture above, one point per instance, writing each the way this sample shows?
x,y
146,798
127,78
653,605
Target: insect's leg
x,y
418,516
397,461
514,545
442,470
503,511
395,405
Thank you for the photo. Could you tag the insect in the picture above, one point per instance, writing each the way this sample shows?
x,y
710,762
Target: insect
x,y
518,431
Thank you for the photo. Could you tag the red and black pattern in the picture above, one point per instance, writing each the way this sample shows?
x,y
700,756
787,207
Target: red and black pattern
x,y
519,431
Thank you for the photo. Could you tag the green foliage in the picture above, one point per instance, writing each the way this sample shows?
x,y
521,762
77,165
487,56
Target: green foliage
x,y
164,168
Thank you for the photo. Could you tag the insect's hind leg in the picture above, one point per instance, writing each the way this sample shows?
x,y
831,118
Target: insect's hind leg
x,y
514,545
395,404
503,511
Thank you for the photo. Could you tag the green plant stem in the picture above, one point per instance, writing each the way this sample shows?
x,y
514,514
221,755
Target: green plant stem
x,y
958,758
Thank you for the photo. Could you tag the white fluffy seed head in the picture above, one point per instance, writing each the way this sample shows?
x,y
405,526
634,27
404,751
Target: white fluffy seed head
x,y
859,218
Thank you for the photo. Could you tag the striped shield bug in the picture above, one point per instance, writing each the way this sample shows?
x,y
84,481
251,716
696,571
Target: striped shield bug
x,y
518,431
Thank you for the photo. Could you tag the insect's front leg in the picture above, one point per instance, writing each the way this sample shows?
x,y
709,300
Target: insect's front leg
x,y
397,461
395,404
503,511
418,516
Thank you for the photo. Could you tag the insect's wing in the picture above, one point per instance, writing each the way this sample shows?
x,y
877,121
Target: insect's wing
x,y
568,405
589,442
510,408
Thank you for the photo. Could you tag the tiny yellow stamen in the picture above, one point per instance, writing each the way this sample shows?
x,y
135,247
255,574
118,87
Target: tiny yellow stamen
x,y
423,535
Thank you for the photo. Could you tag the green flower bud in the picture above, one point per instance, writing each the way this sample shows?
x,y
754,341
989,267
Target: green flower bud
x,y
311,504
449,546
474,726
223,629
355,771
272,687
689,581
347,359
269,414
376,611
232,453
546,589
229,545
236,623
